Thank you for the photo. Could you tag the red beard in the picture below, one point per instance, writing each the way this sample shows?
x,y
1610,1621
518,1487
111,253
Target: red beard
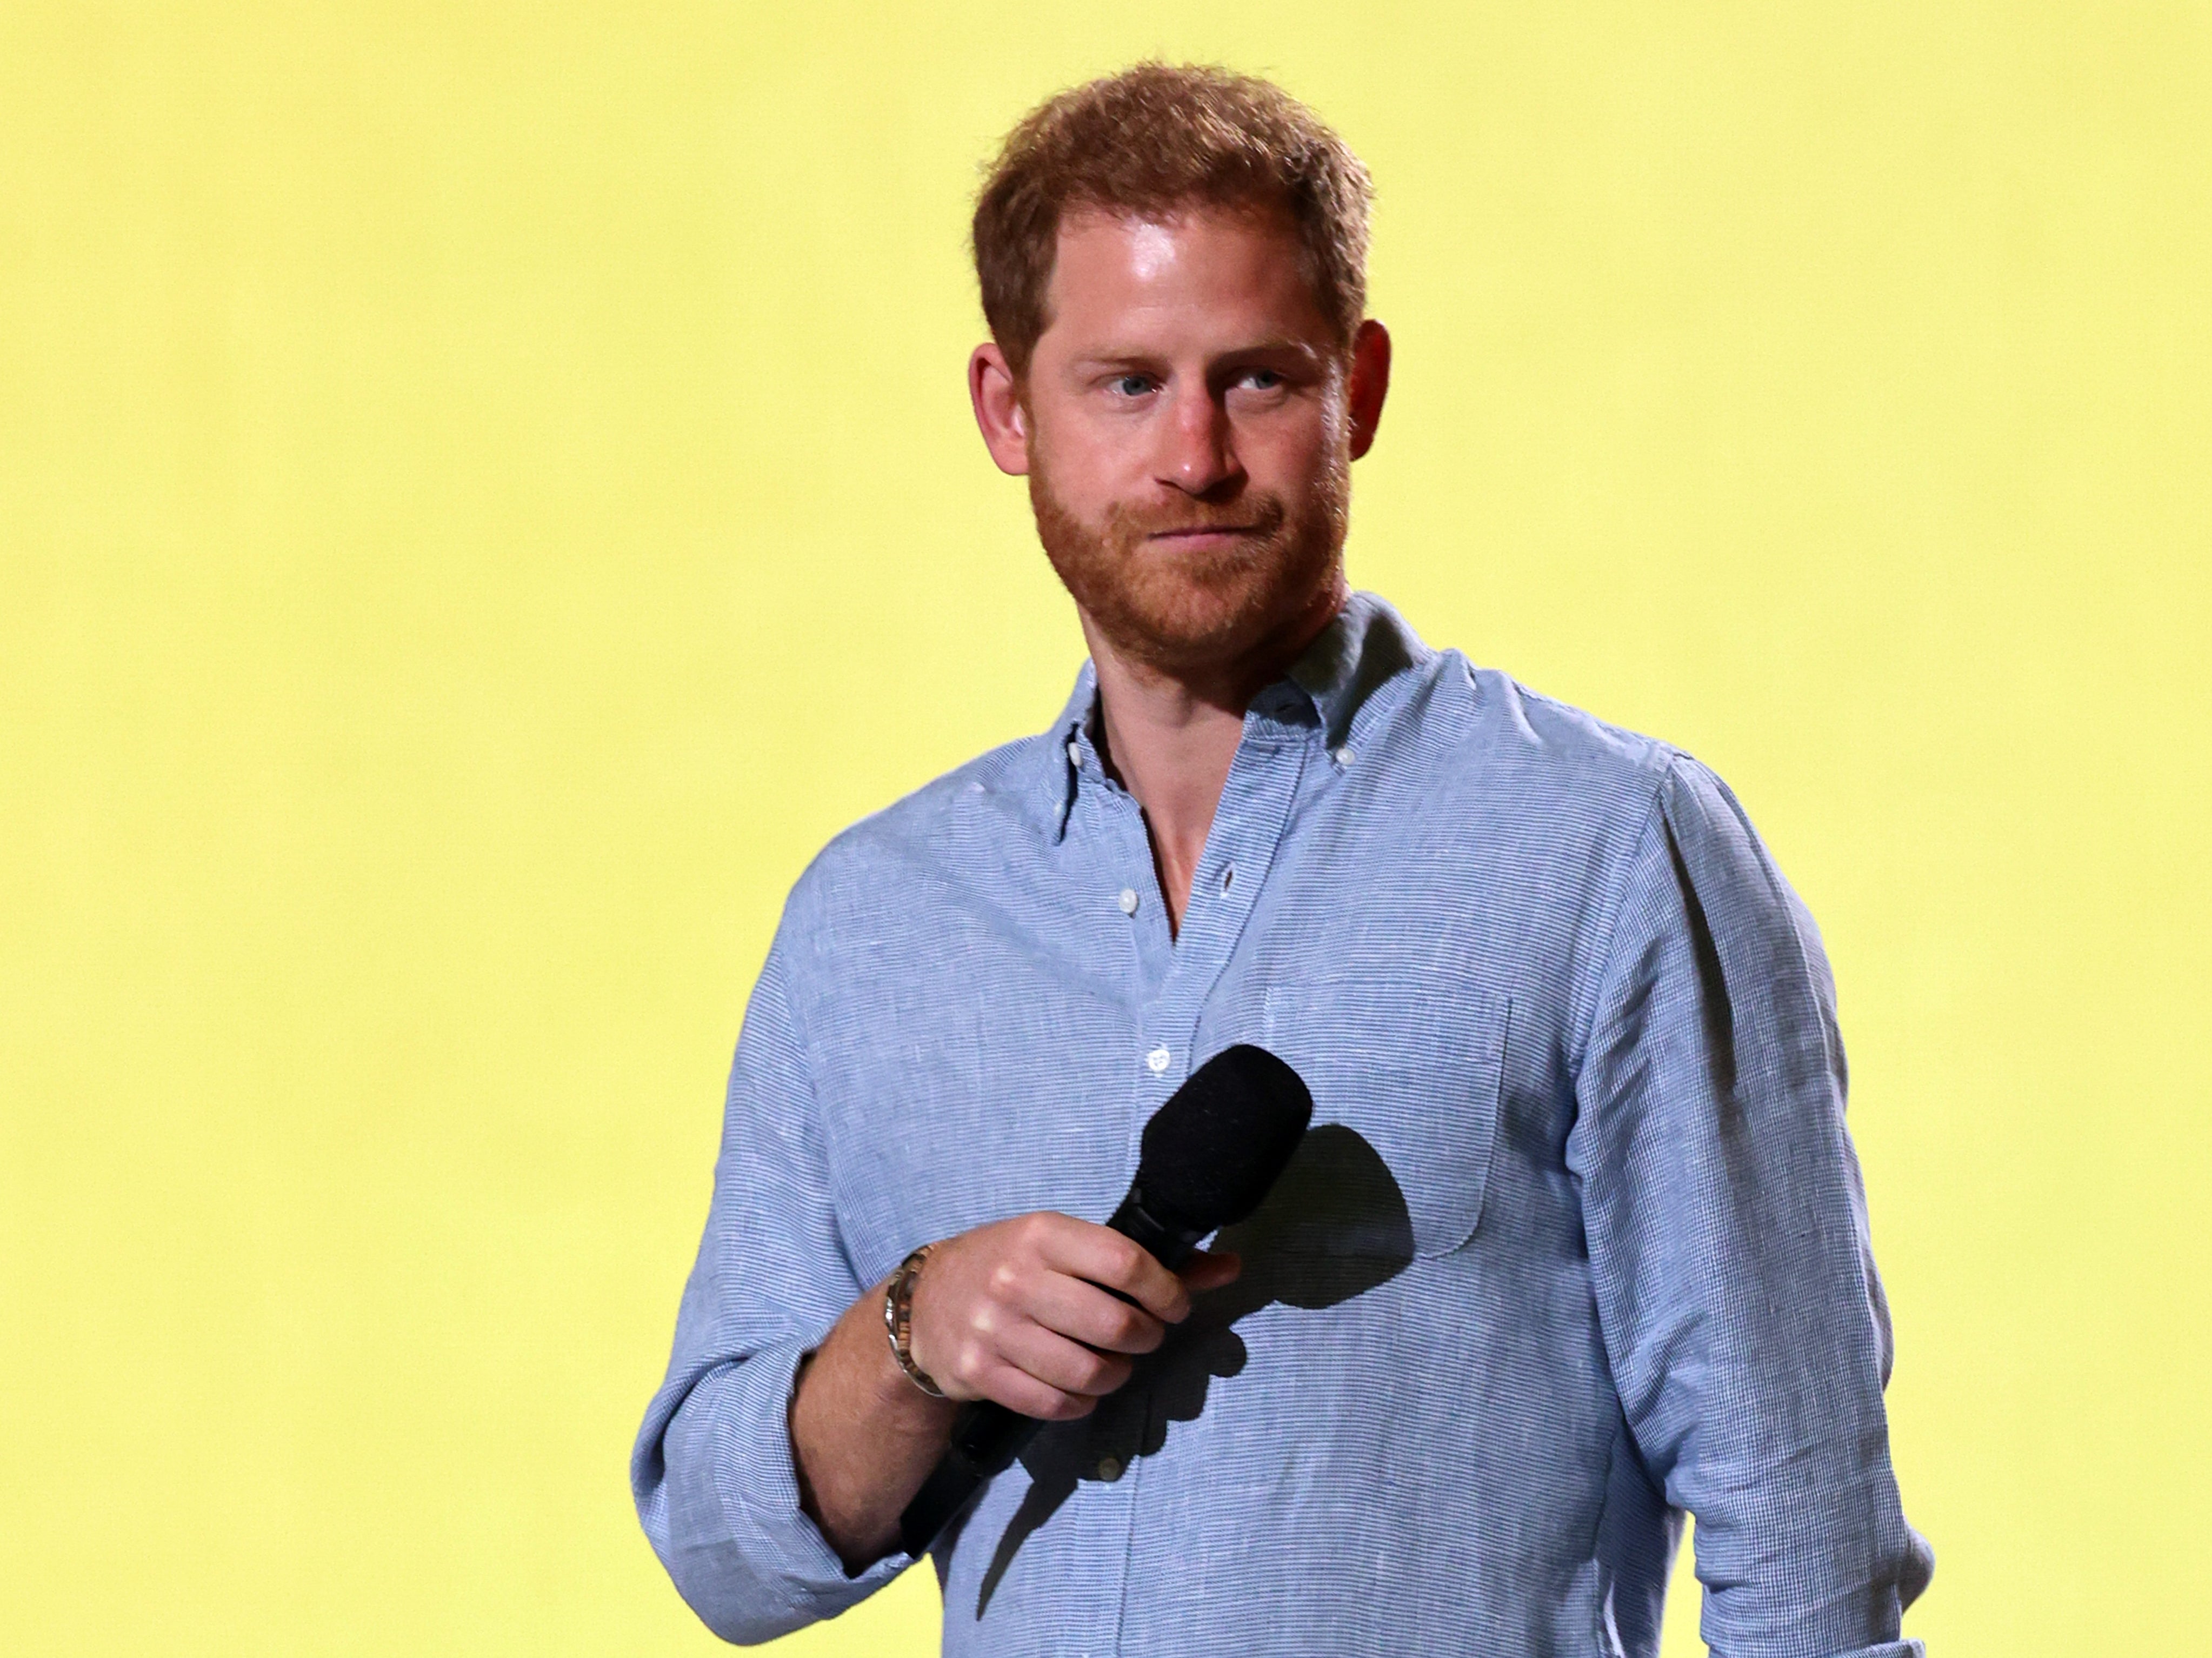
x,y
1175,608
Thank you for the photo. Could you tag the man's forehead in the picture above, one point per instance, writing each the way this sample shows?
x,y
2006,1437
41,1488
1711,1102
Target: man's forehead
x,y
1152,249
1216,257
1159,229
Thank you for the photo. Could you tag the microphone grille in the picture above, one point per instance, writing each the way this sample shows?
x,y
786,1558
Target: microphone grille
x,y
1212,1152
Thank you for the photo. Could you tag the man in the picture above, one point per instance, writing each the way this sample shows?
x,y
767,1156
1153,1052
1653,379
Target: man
x,y
1577,1242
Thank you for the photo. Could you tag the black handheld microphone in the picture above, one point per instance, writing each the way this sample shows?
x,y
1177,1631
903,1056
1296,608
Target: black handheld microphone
x,y
1209,1156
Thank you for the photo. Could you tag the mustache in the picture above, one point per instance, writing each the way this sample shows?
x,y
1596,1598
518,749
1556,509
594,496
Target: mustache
x,y
1261,514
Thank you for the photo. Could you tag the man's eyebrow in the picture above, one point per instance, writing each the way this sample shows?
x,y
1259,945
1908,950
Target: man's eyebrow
x,y
1113,357
1285,342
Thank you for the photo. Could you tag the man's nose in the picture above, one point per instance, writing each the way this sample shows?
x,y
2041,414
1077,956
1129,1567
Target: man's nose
x,y
1199,450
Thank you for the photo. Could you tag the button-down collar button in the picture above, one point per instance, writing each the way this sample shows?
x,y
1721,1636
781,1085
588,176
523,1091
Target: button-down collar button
x,y
1344,756
1158,1059
1074,754
1128,901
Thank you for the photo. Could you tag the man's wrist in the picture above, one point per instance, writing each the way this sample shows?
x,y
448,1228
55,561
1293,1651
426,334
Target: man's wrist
x,y
898,1321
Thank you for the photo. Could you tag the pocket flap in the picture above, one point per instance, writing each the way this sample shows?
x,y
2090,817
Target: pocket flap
x,y
1413,1063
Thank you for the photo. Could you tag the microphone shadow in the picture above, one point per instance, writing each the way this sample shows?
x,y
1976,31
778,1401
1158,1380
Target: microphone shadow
x,y
1334,1226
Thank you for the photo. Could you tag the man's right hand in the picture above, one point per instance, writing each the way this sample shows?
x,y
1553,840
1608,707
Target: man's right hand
x,y
1030,1312
1012,1312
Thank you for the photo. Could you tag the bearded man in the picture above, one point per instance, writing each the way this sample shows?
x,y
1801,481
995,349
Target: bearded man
x,y
1577,1244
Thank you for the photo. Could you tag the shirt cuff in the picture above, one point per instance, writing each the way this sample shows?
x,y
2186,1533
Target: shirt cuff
x,y
740,1419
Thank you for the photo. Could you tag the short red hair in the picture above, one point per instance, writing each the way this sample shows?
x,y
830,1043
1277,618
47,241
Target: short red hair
x,y
1154,140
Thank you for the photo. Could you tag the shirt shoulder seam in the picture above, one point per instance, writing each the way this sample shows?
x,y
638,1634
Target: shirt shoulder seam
x,y
1616,907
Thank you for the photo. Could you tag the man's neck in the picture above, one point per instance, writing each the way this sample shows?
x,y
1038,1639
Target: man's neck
x,y
1171,737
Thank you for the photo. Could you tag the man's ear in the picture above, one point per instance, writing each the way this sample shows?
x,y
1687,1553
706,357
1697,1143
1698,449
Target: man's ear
x,y
1000,417
1370,382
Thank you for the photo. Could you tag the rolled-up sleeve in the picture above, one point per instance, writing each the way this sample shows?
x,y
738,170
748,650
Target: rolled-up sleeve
x,y
1728,1247
712,1470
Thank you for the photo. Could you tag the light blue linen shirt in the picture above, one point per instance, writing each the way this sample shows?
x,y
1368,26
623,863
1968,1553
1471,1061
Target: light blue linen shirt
x,y
1577,1242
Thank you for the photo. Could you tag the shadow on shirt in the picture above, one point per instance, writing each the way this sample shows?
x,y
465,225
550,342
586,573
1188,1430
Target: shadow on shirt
x,y
1334,1227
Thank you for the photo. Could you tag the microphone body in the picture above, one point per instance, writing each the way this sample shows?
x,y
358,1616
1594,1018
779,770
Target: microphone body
x,y
1210,1155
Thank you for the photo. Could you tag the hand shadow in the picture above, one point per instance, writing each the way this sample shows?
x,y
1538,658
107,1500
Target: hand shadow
x,y
1334,1227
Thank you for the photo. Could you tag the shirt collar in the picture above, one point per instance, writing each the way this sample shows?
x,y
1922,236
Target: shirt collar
x,y
1365,646
1067,750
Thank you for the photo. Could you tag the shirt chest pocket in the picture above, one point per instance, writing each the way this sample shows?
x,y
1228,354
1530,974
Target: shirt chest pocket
x,y
1414,1064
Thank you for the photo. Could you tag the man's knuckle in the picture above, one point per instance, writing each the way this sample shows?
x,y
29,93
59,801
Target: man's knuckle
x,y
1043,1399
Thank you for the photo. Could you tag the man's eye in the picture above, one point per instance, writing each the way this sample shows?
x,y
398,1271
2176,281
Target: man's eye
x,y
1132,386
1264,380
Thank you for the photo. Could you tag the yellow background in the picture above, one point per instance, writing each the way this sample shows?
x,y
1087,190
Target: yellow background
x,y
486,491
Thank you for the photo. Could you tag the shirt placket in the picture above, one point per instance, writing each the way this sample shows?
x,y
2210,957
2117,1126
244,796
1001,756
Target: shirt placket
x,y
1176,976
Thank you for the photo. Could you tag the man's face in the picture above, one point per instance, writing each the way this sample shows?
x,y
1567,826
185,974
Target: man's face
x,y
1185,427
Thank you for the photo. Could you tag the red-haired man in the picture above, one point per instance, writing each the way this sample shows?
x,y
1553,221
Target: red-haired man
x,y
1578,1243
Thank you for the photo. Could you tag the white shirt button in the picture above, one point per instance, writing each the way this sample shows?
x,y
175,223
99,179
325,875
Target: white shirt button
x,y
1128,901
1158,1059
1075,754
1344,756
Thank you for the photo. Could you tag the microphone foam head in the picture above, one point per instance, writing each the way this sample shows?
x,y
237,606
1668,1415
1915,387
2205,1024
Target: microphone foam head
x,y
1212,1152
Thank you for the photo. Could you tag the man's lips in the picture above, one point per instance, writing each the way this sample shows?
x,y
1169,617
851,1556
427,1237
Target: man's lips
x,y
1202,531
